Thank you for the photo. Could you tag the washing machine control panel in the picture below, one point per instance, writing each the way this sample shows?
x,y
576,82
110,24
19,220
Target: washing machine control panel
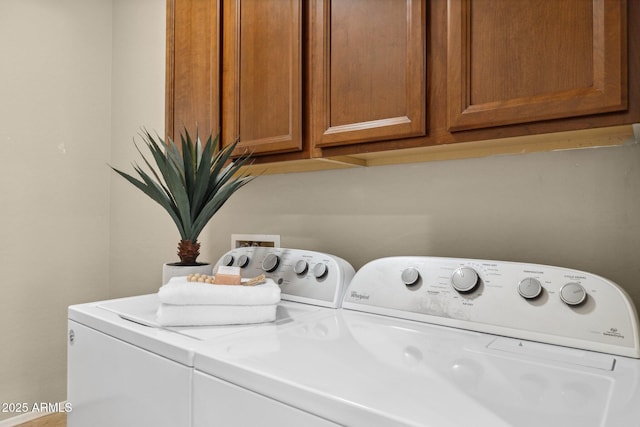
x,y
304,276
542,303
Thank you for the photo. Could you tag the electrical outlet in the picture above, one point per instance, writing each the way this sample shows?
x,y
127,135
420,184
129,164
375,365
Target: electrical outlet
x,y
261,240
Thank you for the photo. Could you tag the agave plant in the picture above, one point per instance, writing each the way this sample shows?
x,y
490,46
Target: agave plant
x,y
191,183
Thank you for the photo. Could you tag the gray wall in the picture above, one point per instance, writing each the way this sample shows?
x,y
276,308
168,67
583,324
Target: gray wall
x,y
573,208
55,138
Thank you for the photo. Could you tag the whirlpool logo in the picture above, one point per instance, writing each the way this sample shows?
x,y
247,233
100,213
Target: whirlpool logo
x,y
358,296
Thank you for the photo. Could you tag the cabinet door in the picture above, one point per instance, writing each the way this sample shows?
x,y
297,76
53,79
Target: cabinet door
x,y
193,80
530,60
367,70
262,75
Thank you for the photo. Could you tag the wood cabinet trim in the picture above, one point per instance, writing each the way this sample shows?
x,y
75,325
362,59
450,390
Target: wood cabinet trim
x,y
169,102
570,140
230,63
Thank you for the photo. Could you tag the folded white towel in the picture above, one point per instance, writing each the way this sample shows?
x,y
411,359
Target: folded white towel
x,y
214,315
180,292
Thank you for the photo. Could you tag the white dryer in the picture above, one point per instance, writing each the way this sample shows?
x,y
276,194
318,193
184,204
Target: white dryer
x,y
438,342
124,369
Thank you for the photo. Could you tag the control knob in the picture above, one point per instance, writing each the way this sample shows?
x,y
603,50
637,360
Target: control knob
x,y
320,270
301,267
410,276
464,279
243,261
529,288
270,263
573,293
227,260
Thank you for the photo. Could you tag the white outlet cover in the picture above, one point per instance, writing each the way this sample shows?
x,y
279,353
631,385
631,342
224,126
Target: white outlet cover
x,y
264,240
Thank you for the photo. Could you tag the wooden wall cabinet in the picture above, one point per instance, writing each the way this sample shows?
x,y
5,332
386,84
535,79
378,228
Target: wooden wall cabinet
x,y
530,60
342,79
368,71
364,80
193,76
262,75
498,70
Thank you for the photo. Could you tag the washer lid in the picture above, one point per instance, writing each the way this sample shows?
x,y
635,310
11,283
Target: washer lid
x,y
140,309
108,320
360,369
133,320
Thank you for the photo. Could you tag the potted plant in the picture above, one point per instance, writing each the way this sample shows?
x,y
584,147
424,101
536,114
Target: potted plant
x,y
191,183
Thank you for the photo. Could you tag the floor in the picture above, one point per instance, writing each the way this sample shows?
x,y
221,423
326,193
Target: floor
x,y
53,420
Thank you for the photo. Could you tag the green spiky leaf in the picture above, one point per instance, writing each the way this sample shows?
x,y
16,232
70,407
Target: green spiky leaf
x,y
190,182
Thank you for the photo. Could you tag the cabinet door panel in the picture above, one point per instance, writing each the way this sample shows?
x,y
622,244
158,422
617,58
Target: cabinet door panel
x,y
529,60
367,70
193,80
262,75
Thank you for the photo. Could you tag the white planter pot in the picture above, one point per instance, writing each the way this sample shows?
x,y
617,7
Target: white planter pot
x,y
172,270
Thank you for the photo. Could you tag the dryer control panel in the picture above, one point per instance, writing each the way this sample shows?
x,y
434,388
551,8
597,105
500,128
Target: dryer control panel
x,y
304,276
537,302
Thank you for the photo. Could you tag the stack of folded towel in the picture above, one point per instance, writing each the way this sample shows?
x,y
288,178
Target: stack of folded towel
x,y
184,303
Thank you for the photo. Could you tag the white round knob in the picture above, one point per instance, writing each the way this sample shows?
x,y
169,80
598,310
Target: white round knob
x,y
270,263
227,260
301,267
243,261
464,279
320,270
573,293
410,276
529,288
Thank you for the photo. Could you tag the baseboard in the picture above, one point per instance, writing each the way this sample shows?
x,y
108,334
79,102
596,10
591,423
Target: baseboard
x,y
23,418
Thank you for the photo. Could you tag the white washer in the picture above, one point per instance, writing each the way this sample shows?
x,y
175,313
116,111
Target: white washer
x,y
126,370
423,341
